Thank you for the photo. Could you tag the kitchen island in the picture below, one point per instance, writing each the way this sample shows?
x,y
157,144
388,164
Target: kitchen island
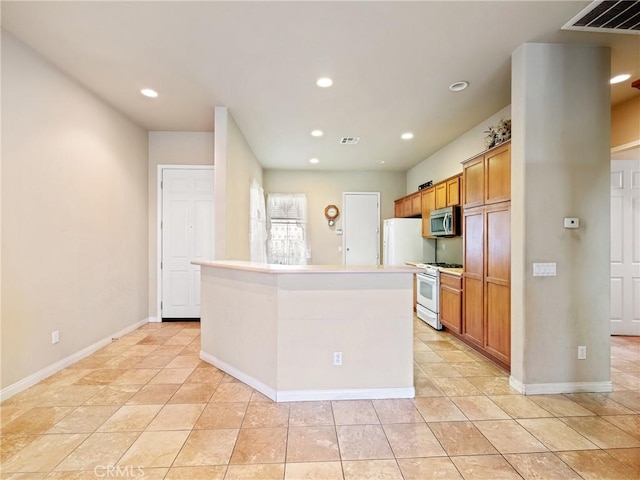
x,y
310,332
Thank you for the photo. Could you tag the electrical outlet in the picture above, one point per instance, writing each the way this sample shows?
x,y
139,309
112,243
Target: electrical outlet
x,y
337,358
582,352
55,337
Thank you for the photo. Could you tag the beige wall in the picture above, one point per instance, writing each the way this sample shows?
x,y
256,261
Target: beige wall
x,y
625,122
324,188
236,166
560,168
170,148
74,216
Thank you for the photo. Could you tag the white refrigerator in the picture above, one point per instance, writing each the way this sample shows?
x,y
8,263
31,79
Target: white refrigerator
x,y
401,241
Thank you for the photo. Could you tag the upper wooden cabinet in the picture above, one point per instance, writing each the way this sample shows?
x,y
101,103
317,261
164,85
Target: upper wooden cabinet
x,y
409,206
487,177
453,191
443,194
428,204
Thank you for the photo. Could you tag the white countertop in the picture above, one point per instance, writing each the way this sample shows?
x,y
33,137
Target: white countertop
x,y
271,268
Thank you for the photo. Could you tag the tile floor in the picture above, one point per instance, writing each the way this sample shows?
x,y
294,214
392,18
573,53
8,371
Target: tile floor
x,y
146,407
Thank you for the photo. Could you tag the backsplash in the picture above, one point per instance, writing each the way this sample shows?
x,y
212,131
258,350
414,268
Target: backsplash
x,y
449,250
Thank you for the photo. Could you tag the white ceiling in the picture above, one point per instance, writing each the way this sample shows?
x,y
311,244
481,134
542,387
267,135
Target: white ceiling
x,y
391,63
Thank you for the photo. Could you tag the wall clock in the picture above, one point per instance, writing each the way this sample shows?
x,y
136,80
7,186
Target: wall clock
x,y
331,212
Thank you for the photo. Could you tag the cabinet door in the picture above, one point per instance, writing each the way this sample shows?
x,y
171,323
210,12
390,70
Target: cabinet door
x,y
406,206
398,208
428,204
497,165
473,278
453,191
416,204
451,302
497,281
474,182
441,195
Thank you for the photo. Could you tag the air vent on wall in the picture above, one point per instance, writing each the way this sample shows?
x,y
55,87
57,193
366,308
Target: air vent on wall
x,y
608,16
349,140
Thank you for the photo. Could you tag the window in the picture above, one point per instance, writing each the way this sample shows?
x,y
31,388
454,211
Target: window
x,y
287,229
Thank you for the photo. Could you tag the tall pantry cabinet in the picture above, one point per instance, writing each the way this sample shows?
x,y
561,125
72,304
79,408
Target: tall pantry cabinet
x,y
487,251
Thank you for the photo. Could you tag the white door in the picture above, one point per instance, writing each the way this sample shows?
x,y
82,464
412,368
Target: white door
x,y
625,245
187,235
361,225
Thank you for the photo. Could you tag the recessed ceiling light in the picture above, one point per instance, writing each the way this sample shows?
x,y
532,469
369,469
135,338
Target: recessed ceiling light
x,y
620,78
458,86
324,82
382,162
317,133
314,160
406,136
147,92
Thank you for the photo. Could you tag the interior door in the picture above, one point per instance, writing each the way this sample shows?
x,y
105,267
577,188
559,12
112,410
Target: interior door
x,y
361,228
625,244
187,235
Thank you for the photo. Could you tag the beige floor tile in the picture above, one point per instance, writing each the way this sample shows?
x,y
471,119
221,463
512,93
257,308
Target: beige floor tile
x,y
256,396
485,467
541,466
601,432
69,376
478,369
273,471
222,415
597,465
113,395
155,361
555,434
260,445
84,419
264,415
410,440
155,449
561,406
519,406
171,375
99,449
211,376
207,447
168,350
456,356
442,345
312,444
130,418
232,392
493,385
153,394
509,437
600,404
455,387
627,423
628,456
136,376
102,376
10,444
177,417
461,438
479,408
437,370
309,414
427,357
123,362
208,472
43,454
193,393
139,350
425,387
363,442
313,471
179,340
68,395
438,409
378,469
36,420
184,361
397,411
627,398
10,413
354,412
428,468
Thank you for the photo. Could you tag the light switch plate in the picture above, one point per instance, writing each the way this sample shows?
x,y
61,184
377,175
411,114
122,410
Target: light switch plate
x,y
544,269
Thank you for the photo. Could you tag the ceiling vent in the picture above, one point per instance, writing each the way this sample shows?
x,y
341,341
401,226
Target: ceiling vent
x,y
349,140
608,17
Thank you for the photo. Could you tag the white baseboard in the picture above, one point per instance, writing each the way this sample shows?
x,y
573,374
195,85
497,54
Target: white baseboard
x,y
309,395
553,388
31,380
154,319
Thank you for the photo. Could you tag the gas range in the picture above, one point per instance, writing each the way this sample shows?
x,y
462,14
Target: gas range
x,y
433,268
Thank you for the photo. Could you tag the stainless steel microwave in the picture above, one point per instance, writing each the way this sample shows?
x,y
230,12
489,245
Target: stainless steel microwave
x,y
445,222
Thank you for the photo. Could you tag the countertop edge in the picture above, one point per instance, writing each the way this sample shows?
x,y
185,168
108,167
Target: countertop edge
x,y
287,269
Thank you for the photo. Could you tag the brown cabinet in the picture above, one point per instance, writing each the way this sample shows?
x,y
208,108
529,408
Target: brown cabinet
x,y
398,208
451,301
441,195
428,204
486,308
409,206
453,191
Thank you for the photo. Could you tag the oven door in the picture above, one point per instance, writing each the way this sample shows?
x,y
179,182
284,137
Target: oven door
x,y
427,291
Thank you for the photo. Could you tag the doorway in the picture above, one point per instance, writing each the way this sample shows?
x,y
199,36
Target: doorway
x,y
186,233
361,228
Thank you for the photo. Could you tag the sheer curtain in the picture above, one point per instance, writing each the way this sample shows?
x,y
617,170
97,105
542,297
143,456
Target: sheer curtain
x,y
257,223
287,240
